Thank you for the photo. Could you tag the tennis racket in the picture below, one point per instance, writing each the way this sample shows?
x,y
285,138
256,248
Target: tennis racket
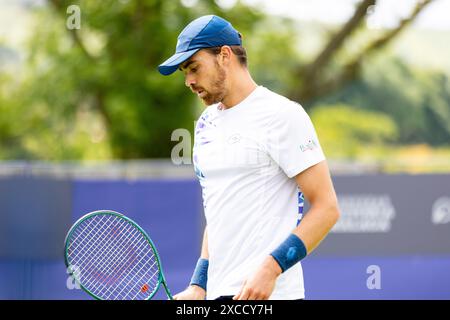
x,y
112,258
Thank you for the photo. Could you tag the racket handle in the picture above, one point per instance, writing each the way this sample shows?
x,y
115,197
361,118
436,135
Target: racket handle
x,y
169,295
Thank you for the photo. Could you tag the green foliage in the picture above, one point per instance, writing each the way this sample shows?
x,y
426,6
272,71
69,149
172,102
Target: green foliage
x,y
417,101
273,56
345,131
97,93
10,131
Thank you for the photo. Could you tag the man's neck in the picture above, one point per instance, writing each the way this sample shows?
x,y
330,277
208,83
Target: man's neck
x,y
241,86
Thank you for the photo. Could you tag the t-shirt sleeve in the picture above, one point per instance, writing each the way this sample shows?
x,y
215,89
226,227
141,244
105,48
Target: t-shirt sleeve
x,y
292,141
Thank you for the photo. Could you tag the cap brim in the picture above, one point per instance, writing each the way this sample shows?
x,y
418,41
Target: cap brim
x,y
171,65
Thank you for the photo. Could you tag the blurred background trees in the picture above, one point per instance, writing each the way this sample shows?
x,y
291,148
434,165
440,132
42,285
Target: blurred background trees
x,y
95,93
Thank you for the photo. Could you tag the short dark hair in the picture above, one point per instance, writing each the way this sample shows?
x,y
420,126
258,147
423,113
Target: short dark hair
x,y
239,51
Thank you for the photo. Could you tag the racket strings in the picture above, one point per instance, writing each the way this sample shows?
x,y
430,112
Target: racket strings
x,y
109,262
88,228
133,279
89,244
106,251
102,282
113,259
132,272
120,260
95,244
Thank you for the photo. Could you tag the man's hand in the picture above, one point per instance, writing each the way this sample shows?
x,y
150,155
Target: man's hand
x,y
260,285
192,292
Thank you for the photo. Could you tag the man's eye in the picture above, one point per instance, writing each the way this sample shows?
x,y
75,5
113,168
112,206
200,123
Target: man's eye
x,y
194,70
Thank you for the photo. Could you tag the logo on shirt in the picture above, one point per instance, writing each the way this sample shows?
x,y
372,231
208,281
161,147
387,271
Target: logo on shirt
x,y
235,138
310,145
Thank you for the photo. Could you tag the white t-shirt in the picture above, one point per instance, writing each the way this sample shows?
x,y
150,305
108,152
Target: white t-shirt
x,y
245,158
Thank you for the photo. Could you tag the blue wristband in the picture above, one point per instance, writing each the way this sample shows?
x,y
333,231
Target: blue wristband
x,y
200,276
291,251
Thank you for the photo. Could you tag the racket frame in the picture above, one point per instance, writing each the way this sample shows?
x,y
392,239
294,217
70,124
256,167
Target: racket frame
x,y
161,278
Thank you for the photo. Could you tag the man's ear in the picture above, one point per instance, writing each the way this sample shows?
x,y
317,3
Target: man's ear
x,y
225,55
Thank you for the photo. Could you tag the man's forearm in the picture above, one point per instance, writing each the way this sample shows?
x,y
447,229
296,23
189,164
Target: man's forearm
x,y
303,239
316,224
200,277
204,253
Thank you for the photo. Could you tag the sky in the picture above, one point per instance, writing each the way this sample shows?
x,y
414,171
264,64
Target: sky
x,y
14,15
387,13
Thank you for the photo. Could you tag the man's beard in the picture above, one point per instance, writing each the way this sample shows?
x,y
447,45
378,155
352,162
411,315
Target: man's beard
x,y
218,91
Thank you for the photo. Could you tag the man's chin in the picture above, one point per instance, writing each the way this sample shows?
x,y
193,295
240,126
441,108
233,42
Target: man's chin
x,y
207,102
204,102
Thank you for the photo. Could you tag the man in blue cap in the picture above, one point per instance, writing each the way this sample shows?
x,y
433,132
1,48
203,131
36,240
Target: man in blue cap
x,y
256,155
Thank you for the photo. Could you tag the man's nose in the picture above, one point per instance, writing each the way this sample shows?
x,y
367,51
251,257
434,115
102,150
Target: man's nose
x,y
189,81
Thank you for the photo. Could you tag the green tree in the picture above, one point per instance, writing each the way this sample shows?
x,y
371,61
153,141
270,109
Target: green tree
x,y
346,131
107,71
94,92
416,100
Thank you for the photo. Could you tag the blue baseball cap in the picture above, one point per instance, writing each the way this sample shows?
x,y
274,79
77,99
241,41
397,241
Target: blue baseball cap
x,y
204,32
